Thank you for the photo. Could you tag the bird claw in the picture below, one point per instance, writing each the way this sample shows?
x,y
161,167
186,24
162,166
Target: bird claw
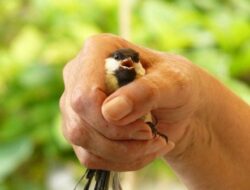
x,y
155,131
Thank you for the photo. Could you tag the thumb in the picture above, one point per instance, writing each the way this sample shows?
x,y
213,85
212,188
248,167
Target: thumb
x,y
131,102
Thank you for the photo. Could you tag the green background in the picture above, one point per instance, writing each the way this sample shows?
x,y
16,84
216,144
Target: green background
x,y
38,37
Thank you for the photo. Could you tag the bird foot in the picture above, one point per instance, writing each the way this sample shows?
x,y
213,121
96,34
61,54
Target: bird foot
x,y
155,131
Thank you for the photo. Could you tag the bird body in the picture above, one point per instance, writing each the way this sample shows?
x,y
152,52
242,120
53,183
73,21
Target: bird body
x,y
121,67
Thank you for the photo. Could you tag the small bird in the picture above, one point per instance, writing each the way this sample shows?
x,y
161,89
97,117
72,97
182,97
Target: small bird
x,y
121,67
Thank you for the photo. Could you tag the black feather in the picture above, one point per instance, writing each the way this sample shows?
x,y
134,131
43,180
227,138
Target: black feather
x,y
125,76
124,53
90,174
102,180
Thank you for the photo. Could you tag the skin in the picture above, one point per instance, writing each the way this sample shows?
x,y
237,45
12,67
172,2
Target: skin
x,y
207,125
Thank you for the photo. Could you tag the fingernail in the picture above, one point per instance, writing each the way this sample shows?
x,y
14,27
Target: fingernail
x,y
117,108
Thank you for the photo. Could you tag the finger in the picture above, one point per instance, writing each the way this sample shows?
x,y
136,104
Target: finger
x,y
131,102
89,90
137,130
157,89
92,161
77,130
88,93
73,124
90,113
95,162
116,150
86,101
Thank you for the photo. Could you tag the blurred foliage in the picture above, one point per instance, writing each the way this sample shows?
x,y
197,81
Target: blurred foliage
x,y
37,37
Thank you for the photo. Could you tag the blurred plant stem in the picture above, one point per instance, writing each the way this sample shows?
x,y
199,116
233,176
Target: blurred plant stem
x,y
125,10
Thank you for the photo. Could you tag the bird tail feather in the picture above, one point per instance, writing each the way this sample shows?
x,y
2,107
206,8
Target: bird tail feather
x,y
102,180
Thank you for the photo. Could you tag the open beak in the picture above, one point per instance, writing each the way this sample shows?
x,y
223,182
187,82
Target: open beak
x,y
127,64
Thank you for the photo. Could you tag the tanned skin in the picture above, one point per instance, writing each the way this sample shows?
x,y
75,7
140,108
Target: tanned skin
x,y
208,126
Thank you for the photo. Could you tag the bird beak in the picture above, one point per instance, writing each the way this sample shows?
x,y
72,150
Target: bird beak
x,y
127,63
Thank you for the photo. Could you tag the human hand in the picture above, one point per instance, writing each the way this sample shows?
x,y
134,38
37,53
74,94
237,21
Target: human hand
x,y
200,116
105,131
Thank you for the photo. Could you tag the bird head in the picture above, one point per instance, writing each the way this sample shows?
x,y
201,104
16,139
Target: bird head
x,y
126,62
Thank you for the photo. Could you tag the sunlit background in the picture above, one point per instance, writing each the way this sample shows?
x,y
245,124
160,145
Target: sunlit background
x,y
38,37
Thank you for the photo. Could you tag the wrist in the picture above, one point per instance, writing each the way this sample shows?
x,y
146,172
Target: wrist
x,y
215,142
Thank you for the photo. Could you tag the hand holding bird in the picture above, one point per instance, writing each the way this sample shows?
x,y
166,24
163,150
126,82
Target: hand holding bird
x,y
121,68
104,124
200,116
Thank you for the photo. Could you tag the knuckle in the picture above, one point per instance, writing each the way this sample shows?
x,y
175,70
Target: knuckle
x,y
77,100
84,98
151,90
183,82
183,73
179,78
76,135
72,134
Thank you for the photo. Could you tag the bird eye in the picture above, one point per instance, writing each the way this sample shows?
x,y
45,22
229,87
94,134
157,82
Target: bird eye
x,y
135,58
118,56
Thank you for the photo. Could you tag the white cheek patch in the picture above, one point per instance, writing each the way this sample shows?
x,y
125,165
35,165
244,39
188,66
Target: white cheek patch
x,y
139,69
111,65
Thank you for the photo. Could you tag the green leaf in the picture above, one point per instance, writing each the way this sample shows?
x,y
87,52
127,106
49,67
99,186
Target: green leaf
x,y
27,44
13,154
240,66
58,135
